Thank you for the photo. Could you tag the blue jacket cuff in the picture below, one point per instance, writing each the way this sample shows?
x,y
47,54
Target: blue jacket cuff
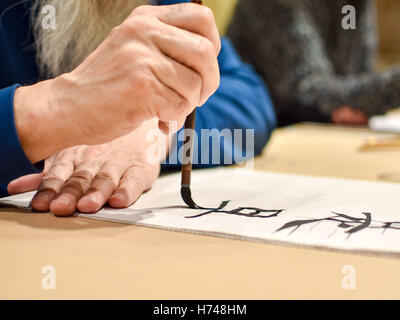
x,y
13,161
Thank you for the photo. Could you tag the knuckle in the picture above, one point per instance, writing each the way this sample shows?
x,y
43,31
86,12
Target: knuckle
x,y
206,49
82,178
141,10
106,177
181,105
212,81
115,37
138,25
196,81
207,16
130,26
50,184
61,166
139,56
135,183
142,81
126,53
91,154
131,190
67,155
195,86
133,175
50,180
216,81
133,26
165,66
114,31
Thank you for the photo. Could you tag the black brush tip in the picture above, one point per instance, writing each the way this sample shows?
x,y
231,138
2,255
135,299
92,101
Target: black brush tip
x,y
187,197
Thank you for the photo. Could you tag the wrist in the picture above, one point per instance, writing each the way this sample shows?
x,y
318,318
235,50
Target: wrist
x,y
39,122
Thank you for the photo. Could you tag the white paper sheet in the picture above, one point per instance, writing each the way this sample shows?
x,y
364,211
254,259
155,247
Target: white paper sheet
x,y
389,122
300,210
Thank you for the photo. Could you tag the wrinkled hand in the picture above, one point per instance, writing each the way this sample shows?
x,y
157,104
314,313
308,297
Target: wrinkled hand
x,y
85,178
349,116
161,62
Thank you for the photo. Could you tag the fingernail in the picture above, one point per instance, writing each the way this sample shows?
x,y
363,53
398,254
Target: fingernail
x,y
118,196
64,201
89,199
43,197
41,201
90,203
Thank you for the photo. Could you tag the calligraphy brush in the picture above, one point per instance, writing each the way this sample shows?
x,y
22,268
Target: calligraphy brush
x,y
188,154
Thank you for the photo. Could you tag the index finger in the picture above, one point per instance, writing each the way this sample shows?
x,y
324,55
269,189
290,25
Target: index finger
x,y
188,16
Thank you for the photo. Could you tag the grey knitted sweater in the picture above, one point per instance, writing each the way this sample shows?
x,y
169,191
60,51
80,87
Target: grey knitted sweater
x,y
309,62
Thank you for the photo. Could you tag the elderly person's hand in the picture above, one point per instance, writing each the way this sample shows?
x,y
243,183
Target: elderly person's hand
x,y
161,62
87,177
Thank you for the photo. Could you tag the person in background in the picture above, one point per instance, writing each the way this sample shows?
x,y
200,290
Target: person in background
x,y
77,73
315,69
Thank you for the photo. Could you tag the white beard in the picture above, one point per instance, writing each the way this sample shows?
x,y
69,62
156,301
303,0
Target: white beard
x,y
81,25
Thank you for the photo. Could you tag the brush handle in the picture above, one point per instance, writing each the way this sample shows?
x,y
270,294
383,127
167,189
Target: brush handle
x,y
188,143
188,148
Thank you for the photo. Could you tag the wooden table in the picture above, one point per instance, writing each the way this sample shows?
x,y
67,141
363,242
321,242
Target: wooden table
x,y
95,259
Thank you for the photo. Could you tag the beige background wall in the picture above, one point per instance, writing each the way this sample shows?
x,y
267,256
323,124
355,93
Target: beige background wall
x,y
389,31
223,11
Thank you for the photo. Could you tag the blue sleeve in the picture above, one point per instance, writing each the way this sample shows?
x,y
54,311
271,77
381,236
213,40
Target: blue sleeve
x,y
241,104
13,161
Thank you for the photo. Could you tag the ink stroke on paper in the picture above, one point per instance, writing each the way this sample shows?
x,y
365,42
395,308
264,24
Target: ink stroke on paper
x,y
278,208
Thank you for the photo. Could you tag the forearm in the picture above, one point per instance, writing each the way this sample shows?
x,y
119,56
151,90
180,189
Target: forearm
x,y
13,160
371,93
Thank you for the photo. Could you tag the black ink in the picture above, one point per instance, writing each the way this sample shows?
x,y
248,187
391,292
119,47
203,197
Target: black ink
x,y
241,211
351,224
297,224
390,225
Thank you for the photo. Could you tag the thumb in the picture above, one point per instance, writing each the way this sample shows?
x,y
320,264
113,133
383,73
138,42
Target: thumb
x,y
24,184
